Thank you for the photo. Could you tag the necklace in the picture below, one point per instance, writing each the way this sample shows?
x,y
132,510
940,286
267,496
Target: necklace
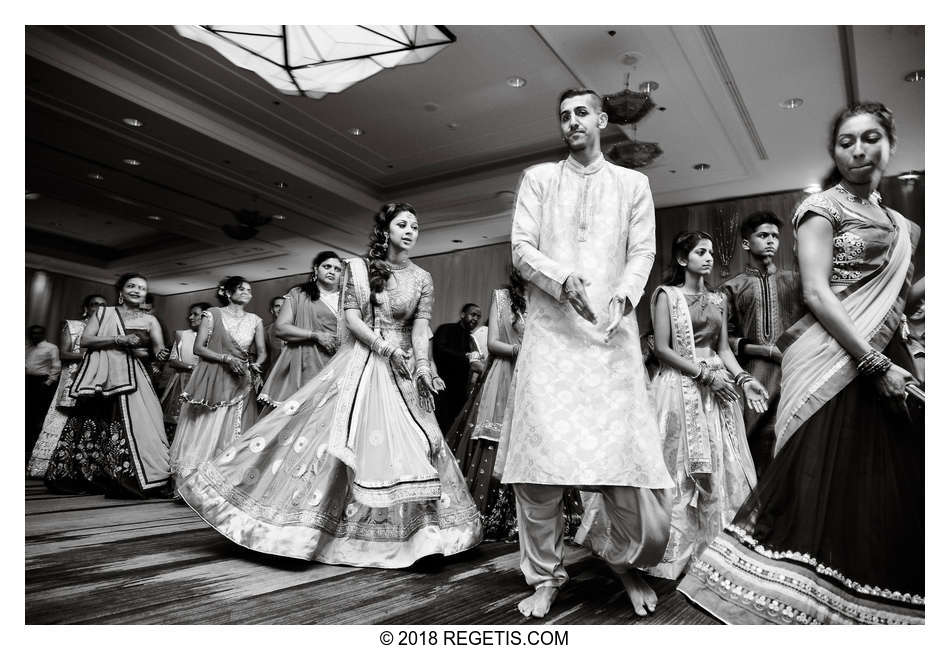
x,y
397,267
873,199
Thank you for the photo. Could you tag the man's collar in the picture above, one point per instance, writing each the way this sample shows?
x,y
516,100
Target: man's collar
x,y
751,270
595,165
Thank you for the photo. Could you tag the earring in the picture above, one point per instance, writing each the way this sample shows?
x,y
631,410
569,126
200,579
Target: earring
x,y
121,299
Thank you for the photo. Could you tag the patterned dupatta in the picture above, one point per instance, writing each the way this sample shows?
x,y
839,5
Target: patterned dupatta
x,y
105,372
699,454
815,367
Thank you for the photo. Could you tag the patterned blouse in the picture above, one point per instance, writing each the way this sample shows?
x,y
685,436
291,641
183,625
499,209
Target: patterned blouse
x,y
863,231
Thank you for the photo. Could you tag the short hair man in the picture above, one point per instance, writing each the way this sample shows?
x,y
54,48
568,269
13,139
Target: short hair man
x,y
456,358
583,239
42,372
763,303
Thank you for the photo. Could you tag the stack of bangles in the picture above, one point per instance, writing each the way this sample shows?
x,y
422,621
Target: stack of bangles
x,y
742,379
382,348
705,375
873,363
422,369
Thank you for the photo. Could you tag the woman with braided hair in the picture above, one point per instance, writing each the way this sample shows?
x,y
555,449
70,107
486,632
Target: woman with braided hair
x,y
352,468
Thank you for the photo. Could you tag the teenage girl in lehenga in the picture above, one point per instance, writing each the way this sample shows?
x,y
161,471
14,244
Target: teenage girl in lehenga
x,y
352,468
115,440
474,435
307,321
699,392
71,354
182,361
218,400
834,531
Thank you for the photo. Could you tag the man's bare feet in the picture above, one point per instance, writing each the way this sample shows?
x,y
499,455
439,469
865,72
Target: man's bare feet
x,y
641,595
539,603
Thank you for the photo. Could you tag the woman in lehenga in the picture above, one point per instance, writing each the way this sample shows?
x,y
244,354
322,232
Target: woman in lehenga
x,y
834,531
218,402
307,322
71,354
352,468
474,435
115,440
182,362
697,395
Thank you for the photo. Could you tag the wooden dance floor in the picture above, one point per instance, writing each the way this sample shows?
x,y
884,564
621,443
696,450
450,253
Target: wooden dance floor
x,y
103,561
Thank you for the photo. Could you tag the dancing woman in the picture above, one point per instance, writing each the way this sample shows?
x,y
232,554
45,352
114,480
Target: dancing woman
x,y
352,468
115,440
218,401
834,531
71,354
182,361
697,393
307,321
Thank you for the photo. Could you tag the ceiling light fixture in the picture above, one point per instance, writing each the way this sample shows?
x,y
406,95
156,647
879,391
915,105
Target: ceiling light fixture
x,y
453,125
630,58
313,60
648,86
32,196
279,217
456,241
281,184
95,176
183,283
154,217
132,162
909,177
701,167
814,188
914,77
131,121
430,107
791,103
357,131
516,82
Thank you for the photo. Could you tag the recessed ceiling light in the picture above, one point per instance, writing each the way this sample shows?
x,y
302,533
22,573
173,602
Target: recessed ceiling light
x,y
131,121
279,217
791,103
701,167
453,125
516,82
504,194
355,130
95,176
648,86
281,268
32,196
814,188
456,241
430,107
630,58
179,263
281,184
154,217
672,171
183,283
914,77
132,161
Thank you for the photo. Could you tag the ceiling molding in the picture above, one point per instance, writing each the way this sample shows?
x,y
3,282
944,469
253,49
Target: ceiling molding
x,y
729,81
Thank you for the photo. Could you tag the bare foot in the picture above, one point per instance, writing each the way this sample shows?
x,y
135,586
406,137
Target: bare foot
x,y
539,603
641,595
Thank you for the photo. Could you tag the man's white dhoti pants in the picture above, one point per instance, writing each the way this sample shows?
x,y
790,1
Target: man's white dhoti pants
x,y
631,529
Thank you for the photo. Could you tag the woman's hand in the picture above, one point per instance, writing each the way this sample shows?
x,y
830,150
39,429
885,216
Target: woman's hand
x,y
892,386
756,397
438,384
427,390
163,354
326,341
256,367
127,340
724,391
515,350
234,365
400,363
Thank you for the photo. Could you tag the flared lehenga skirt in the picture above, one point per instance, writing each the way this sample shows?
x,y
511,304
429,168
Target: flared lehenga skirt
x,y
704,505
278,490
834,531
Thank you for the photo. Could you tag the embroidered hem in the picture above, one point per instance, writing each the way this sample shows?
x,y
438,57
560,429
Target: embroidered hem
x,y
184,399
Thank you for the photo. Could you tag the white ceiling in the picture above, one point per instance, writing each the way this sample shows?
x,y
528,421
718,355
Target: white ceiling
x,y
218,138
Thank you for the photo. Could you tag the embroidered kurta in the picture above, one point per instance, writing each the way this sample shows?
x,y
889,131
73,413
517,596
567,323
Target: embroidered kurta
x,y
581,414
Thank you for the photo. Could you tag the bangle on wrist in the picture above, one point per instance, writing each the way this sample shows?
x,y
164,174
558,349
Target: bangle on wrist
x,y
115,341
702,366
873,363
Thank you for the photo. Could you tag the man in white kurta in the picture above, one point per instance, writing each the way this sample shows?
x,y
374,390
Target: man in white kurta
x,y
583,238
